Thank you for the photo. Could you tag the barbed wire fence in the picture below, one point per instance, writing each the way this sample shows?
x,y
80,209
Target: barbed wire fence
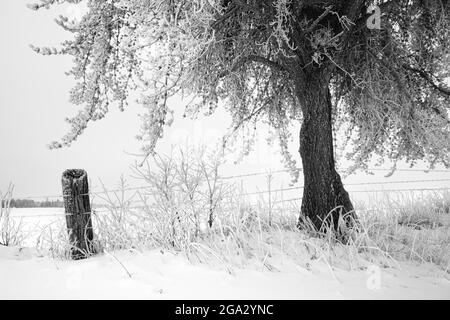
x,y
107,208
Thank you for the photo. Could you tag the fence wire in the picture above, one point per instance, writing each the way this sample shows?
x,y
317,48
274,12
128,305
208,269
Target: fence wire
x,y
149,191
137,188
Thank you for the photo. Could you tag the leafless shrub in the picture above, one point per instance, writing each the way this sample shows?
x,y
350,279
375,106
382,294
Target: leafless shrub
x,y
10,228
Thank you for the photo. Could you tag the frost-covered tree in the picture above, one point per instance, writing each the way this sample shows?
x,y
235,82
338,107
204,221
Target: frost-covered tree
x,y
311,63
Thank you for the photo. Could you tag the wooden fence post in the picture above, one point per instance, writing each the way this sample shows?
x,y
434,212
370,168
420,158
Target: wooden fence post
x,y
78,212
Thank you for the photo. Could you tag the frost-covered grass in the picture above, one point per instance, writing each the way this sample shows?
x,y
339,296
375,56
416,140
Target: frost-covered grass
x,y
245,235
11,230
414,229
188,209
242,256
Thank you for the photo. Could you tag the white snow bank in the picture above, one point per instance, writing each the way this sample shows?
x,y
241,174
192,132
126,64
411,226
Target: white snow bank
x,y
157,275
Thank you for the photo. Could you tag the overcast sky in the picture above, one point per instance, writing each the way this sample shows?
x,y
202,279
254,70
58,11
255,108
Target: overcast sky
x,y
34,102
34,94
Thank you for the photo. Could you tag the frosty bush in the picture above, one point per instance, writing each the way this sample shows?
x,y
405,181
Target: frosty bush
x,y
10,229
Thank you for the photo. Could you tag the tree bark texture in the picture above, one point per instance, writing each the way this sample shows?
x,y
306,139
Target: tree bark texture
x,y
324,198
78,212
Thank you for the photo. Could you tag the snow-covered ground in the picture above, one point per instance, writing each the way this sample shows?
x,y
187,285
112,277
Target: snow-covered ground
x,y
25,273
158,275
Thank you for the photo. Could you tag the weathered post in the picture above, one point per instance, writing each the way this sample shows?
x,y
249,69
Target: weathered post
x,y
78,212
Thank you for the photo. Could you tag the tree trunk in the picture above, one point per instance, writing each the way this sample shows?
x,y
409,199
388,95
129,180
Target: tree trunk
x,y
324,197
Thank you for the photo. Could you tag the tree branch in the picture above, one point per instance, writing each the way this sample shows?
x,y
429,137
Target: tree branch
x,y
441,88
320,18
253,58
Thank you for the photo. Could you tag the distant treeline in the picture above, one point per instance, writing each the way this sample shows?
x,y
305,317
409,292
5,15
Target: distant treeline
x,y
28,203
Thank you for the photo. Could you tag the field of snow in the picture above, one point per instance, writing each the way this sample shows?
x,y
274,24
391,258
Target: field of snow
x,y
25,273
164,275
